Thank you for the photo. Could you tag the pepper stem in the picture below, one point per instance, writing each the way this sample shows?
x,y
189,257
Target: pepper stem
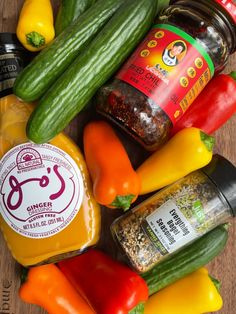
x,y
233,75
35,39
123,201
24,275
208,140
216,283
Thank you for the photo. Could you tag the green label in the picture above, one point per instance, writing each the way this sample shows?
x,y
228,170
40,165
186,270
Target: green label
x,y
198,211
153,237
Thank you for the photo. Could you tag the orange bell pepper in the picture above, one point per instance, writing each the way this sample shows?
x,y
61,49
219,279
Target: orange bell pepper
x,y
47,287
115,183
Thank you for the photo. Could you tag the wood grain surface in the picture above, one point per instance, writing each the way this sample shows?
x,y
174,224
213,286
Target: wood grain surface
x,y
223,267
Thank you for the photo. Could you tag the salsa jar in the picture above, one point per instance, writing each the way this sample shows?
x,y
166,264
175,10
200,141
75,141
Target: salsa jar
x,y
191,41
177,215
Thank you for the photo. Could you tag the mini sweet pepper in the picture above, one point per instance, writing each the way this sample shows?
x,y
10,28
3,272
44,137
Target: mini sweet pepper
x,y
109,286
35,27
115,183
189,150
47,287
193,294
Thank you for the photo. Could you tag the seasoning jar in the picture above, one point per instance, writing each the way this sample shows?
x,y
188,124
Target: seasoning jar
x,y
191,41
177,215
13,58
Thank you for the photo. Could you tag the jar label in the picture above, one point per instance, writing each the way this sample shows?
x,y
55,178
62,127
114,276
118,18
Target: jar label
x,y
168,228
41,190
10,66
170,67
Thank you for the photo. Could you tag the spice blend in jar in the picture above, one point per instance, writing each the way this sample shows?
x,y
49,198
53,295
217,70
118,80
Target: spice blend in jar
x,y
177,215
190,42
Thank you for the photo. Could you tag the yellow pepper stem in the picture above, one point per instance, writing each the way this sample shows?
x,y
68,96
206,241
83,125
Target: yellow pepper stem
x,y
208,140
35,39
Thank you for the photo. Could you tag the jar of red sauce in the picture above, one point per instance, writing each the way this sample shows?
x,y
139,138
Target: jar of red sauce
x,y
191,41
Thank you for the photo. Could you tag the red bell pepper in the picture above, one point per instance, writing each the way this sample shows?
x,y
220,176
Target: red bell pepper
x,y
109,286
213,107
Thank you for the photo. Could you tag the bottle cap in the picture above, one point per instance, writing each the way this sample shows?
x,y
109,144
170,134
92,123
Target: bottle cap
x,y
229,6
223,174
8,38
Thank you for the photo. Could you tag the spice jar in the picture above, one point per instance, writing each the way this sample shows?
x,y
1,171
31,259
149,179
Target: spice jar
x,y
13,58
190,42
177,215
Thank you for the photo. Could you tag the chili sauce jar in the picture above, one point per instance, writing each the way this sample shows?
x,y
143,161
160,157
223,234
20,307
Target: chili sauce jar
x,y
13,58
190,42
177,215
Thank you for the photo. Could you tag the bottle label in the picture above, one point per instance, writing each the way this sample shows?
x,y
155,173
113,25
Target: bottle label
x,y
170,67
168,228
10,66
41,190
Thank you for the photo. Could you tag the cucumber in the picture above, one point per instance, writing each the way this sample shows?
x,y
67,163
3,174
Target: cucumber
x,y
139,309
187,260
69,11
51,62
91,70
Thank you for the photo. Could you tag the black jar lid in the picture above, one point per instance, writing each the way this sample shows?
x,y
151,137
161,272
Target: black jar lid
x,y
223,174
10,40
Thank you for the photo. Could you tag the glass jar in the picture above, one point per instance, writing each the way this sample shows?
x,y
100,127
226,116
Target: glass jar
x,y
191,41
177,215
13,58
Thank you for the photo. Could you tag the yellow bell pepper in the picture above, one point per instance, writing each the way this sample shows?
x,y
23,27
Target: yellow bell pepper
x,y
35,27
189,150
193,294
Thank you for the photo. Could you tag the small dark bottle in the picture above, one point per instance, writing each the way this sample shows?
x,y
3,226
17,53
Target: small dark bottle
x,y
13,58
191,41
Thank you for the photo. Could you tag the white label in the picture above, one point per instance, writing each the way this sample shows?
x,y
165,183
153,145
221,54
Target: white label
x,y
168,228
41,190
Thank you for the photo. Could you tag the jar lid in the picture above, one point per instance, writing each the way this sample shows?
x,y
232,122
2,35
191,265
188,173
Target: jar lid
x,y
223,174
10,39
229,6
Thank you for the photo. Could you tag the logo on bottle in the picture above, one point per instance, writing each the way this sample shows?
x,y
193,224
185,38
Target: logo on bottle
x,y
41,189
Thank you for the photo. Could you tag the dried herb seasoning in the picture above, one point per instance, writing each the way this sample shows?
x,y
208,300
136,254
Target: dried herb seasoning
x,y
177,59
177,215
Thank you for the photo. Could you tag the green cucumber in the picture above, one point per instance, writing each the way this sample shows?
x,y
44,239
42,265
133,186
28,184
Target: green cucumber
x,y
139,309
91,69
187,260
51,62
69,11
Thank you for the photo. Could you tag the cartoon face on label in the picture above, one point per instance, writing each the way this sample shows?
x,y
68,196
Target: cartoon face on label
x,y
174,53
41,190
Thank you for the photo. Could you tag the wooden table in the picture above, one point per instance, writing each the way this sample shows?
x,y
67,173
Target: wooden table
x,y
222,267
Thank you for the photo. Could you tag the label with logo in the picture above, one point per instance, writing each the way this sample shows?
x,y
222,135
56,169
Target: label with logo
x,y
168,228
10,66
41,190
170,67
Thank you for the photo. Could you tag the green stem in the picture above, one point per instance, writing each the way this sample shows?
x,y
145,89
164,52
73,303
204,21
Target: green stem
x,y
208,140
123,201
216,283
35,39
24,275
233,75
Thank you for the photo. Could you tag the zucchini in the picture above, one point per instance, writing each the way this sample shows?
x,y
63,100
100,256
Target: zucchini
x,y
91,70
187,260
69,11
51,62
